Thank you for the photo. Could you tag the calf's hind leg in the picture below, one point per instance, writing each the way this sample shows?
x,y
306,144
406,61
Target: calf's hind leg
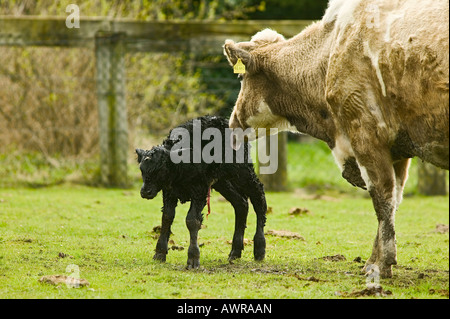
x,y
194,221
240,205
256,193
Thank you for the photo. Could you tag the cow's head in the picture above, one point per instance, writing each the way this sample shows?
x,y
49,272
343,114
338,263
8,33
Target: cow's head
x,y
253,109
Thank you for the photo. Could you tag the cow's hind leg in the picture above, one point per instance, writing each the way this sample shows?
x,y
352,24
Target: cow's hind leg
x,y
240,205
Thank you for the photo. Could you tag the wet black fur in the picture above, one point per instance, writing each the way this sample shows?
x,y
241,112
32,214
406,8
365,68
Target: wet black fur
x,y
183,182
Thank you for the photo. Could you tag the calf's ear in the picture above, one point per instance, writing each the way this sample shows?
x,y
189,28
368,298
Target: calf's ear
x,y
140,154
234,51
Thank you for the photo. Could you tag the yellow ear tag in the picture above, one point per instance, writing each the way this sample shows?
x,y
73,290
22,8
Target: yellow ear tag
x,y
239,67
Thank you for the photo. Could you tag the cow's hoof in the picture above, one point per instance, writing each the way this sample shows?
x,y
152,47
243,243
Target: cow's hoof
x,y
375,272
386,272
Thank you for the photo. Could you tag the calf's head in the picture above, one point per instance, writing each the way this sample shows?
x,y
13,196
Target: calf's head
x,y
252,108
154,168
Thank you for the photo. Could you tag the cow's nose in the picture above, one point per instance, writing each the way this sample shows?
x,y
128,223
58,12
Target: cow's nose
x,y
234,121
235,141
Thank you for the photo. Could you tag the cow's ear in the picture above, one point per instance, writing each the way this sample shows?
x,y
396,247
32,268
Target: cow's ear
x,y
140,154
234,51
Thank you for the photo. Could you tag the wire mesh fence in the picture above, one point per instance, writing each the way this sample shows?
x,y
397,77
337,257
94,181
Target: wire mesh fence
x,y
49,103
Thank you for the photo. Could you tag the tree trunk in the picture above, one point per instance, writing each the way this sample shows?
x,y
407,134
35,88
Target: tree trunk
x,y
431,179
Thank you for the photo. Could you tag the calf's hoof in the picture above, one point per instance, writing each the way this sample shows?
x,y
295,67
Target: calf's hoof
x,y
259,248
259,252
160,257
193,263
260,256
234,255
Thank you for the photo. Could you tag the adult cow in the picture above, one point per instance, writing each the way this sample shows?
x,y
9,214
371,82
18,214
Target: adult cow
x,y
371,79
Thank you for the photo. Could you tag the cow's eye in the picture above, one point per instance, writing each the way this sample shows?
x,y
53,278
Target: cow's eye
x,y
240,76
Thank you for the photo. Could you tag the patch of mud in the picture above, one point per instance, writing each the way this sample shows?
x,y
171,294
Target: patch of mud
x,y
442,292
376,291
311,278
337,257
285,234
269,271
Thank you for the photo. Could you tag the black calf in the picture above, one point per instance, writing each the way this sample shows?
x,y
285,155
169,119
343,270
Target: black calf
x,y
183,182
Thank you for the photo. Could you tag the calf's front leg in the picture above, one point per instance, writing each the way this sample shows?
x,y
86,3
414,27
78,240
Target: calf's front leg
x,y
168,214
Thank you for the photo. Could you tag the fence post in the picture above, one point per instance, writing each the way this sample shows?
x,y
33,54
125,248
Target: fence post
x,y
431,179
112,112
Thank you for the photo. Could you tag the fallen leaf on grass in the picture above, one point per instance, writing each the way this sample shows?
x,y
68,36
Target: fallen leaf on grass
x,y
312,278
64,255
285,234
246,242
441,228
376,291
62,279
298,211
334,258
156,229
304,195
359,260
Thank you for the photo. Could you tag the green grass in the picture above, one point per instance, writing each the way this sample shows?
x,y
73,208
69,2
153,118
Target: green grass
x,y
107,233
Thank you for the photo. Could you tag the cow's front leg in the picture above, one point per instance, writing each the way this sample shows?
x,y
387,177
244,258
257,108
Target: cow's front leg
x,y
168,214
384,252
379,175
194,220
